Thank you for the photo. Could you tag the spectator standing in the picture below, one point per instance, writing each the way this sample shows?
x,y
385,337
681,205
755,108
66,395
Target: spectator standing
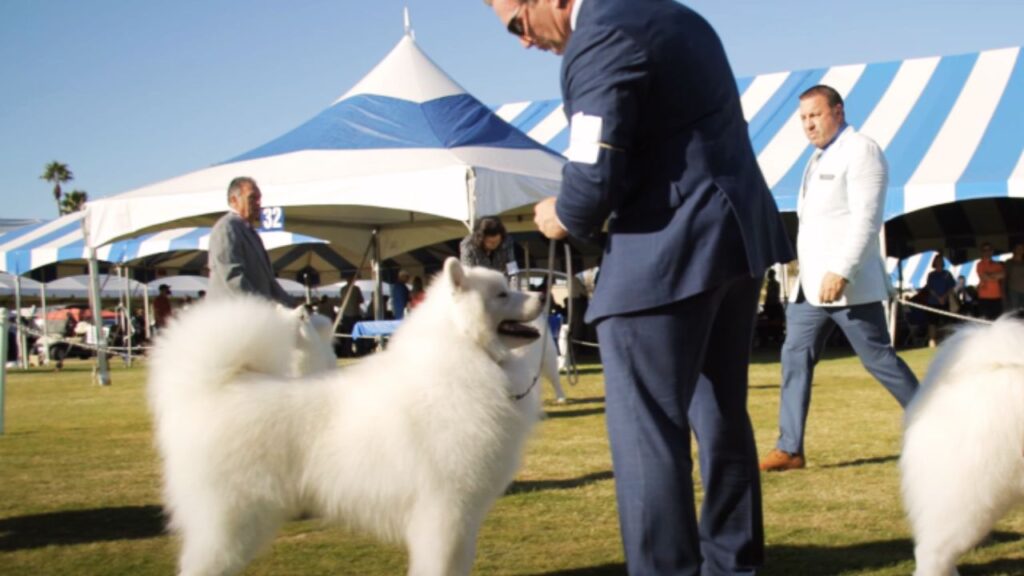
x,y
400,295
842,276
772,296
324,307
417,294
990,284
1015,278
659,152
162,307
939,287
351,312
966,297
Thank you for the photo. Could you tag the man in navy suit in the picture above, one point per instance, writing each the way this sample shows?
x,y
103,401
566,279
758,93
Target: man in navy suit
x,y
659,153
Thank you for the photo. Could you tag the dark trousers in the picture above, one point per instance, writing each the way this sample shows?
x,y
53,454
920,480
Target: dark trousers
x,y
668,370
990,309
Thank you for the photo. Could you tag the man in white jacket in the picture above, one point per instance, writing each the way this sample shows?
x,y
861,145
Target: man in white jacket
x,y
842,276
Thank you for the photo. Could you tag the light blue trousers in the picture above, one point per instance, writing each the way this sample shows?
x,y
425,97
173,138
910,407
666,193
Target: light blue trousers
x,y
807,328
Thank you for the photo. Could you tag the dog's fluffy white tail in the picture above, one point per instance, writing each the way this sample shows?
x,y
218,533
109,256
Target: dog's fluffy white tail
x,y
209,344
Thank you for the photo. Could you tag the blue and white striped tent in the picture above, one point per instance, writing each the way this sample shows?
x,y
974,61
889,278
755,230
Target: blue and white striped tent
x,y
61,240
406,152
952,129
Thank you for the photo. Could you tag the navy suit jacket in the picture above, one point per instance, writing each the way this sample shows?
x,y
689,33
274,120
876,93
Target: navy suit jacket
x,y
675,177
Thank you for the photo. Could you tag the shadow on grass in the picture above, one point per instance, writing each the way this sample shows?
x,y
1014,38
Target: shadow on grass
x,y
863,462
525,486
831,561
574,413
834,560
602,570
81,527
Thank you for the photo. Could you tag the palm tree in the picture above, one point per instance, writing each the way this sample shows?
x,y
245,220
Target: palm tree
x,y
57,173
73,201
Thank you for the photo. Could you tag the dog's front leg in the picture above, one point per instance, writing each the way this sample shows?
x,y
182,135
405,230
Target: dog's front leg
x,y
439,541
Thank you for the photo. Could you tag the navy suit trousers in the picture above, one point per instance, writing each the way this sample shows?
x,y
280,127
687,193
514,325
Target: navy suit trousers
x,y
668,370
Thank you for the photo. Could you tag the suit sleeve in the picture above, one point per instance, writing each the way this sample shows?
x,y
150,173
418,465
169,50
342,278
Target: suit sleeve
x,y
867,179
605,81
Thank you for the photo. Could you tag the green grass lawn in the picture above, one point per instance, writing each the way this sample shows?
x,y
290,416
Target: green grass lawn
x,y
80,488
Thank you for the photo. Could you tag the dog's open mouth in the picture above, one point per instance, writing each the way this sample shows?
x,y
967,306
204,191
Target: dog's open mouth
x,y
517,330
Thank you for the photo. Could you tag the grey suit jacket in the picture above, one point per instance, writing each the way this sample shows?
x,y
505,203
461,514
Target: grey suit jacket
x,y
239,263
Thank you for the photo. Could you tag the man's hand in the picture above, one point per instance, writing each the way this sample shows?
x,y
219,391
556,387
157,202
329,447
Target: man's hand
x,y
547,221
832,286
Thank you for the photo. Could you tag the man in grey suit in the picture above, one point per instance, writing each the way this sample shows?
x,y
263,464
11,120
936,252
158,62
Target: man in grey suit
x,y
238,261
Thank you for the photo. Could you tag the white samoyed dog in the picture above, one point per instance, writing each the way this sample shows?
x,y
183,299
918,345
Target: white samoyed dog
x,y
963,447
413,444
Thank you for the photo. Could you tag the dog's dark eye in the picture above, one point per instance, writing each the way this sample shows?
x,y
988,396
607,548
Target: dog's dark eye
x,y
502,294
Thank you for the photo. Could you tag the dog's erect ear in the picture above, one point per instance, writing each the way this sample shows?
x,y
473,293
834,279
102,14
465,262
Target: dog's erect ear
x,y
454,272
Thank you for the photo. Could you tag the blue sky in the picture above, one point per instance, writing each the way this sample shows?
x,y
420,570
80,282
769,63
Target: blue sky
x,y
129,93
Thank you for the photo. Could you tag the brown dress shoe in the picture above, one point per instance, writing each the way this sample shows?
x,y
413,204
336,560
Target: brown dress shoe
x,y
779,461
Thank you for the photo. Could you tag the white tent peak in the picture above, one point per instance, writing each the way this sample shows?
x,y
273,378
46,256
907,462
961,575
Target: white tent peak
x,y
408,24
406,73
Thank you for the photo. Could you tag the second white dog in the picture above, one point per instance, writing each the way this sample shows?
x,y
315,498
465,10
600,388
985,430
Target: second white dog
x,y
963,449
413,444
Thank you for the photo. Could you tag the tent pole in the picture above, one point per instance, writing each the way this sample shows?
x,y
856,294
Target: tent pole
x,y
102,367
378,305
145,311
19,330
894,303
524,279
3,364
128,316
44,357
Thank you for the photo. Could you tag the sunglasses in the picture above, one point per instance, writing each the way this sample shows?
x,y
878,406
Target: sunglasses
x,y
515,23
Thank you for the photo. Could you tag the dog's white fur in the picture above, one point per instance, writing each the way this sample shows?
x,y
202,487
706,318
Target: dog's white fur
x,y
413,444
963,447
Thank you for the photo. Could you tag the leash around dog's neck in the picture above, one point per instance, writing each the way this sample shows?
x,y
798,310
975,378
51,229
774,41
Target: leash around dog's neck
x,y
547,323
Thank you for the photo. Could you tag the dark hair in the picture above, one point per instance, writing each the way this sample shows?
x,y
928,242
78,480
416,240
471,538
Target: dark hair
x,y
488,226
236,185
830,94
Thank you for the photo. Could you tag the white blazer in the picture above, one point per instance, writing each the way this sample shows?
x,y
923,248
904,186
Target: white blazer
x,y
840,210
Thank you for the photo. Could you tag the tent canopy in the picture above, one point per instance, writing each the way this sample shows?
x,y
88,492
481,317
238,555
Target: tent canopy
x,y
952,129
406,151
